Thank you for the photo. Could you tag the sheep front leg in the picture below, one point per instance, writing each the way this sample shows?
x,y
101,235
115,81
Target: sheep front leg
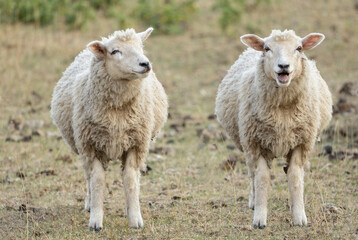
x,y
262,185
131,176
295,176
97,185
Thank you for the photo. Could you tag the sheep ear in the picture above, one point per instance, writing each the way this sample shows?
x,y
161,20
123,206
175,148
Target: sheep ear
x,y
97,48
312,40
144,35
253,41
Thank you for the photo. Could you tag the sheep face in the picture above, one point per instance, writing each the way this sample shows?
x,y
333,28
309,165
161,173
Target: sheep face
x,y
123,54
283,53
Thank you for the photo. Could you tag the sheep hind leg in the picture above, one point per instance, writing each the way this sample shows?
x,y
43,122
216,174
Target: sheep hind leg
x,y
295,176
131,177
87,170
262,185
252,185
97,185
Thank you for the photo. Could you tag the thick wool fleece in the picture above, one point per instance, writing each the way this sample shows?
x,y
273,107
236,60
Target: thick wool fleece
x,y
102,117
267,120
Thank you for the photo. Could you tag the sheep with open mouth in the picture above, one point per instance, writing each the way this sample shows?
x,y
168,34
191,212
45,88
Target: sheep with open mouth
x,y
274,103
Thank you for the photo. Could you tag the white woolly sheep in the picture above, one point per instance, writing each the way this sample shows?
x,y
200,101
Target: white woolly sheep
x,y
109,105
274,103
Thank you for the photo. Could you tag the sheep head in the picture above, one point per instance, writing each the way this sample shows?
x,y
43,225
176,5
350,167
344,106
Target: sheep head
x,y
123,54
283,53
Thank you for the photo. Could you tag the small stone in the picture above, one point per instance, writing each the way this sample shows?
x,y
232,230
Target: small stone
x,y
34,124
348,88
38,133
212,117
331,208
163,150
55,135
213,147
13,138
328,150
20,175
146,171
23,208
26,138
14,124
247,227
230,147
176,127
221,136
206,136
344,106
230,163
240,199
199,132
47,173
65,158
176,198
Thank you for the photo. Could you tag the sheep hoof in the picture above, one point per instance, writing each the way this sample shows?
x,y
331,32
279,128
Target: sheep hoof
x,y
259,226
97,229
135,220
299,218
303,224
96,220
137,225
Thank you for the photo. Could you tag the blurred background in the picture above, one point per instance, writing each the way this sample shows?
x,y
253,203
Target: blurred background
x,y
196,186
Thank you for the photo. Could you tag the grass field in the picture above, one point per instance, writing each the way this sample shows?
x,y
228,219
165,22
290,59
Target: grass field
x,y
187,194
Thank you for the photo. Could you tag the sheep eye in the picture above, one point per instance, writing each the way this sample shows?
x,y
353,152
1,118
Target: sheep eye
x,y
299,49
115,51
267,49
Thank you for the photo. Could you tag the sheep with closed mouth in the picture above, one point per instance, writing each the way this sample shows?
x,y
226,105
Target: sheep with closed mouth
x,y
109,105
273,103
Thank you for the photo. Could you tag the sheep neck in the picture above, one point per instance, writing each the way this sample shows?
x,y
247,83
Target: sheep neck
x,y
281,97
115,93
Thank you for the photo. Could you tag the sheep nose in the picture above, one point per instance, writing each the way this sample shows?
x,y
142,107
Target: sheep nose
x,y
284,66
145,65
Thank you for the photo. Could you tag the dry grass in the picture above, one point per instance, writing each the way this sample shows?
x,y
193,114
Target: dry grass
x,y
186,195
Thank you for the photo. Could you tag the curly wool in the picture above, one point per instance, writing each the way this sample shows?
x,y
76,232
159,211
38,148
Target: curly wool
x,y
263,119
122,35
100,116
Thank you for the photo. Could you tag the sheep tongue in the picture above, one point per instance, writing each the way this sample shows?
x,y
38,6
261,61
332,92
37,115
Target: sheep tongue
x,y
283,78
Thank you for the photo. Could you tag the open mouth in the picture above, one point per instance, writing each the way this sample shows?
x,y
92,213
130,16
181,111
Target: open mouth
x,y
283,77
